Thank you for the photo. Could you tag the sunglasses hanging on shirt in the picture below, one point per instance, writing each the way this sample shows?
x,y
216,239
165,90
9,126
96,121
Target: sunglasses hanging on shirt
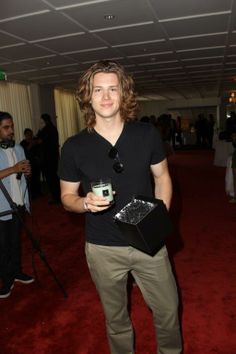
x,y
118,166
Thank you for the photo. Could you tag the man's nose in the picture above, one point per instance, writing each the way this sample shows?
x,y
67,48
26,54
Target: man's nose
x,y
106,94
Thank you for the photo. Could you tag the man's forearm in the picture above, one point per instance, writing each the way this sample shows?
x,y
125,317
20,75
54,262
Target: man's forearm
x,y
7,172
163,190
74,203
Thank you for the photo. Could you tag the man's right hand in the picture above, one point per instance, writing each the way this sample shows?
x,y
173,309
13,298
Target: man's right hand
x,y
95,204
23,166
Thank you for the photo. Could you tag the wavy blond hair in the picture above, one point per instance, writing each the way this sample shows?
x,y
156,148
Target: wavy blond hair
x,y
128,104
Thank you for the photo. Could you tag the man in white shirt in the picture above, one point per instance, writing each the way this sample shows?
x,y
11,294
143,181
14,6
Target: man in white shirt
x,y
13,169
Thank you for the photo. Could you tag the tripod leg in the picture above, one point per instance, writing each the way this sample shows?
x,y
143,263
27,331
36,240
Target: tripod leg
x,y
35,269
38,250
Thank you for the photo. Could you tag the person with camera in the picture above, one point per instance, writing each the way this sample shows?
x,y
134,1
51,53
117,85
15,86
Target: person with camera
x,y
14,168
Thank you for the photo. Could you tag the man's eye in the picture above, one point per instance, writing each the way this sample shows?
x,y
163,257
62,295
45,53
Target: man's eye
x,y
97,90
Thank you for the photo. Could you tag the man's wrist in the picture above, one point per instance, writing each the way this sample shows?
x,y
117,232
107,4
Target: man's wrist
x,y
85,204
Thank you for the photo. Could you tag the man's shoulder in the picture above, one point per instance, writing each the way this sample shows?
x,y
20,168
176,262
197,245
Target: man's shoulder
x,y
18,147
138,127
19,150
77,139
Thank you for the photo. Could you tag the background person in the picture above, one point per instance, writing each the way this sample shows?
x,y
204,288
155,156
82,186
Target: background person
x,y
114,146
32,153
233,200
49,142
211,125
230,126
13,169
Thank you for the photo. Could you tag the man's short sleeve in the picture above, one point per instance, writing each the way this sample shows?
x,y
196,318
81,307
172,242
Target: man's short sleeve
x,y
158,152
68,169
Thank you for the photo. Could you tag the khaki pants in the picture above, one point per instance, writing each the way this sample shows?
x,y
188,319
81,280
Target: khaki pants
x,y
109,267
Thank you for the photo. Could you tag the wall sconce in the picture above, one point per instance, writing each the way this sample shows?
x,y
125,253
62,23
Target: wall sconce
x,y
232,98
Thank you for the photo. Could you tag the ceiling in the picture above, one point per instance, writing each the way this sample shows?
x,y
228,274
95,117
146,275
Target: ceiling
x,y
175,49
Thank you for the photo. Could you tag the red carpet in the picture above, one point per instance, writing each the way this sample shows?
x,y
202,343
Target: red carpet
x,y
37,319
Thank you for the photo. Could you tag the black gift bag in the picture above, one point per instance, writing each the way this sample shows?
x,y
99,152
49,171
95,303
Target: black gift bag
x,y
146,223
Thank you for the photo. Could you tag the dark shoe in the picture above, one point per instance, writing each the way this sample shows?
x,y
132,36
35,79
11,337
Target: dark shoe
x,y
24,278
5,291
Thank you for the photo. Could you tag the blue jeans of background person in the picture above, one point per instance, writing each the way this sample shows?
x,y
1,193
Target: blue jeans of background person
x,y
109,267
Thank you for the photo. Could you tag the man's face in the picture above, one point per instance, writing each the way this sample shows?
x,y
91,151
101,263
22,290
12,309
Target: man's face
x,y
42,123
6,129
106,95
29,135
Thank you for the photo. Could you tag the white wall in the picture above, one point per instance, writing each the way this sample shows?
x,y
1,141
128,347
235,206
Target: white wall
x,y
157,108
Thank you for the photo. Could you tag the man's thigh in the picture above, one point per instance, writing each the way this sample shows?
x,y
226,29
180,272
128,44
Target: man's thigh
x,y
107,264
155,278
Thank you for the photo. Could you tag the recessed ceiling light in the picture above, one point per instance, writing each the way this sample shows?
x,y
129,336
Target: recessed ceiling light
x,y
109,17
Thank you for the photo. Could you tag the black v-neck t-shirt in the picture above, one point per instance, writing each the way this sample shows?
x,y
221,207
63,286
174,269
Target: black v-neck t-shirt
x,y
85,158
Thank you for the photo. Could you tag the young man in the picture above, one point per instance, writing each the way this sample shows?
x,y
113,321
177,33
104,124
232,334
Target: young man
x,y
114,145
13,168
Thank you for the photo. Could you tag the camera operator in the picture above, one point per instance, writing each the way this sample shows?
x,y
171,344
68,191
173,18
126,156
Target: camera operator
x,y
13,171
